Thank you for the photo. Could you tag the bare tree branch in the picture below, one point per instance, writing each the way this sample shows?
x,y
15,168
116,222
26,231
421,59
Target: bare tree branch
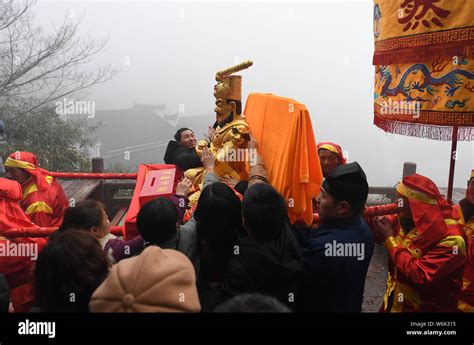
x,y
37,69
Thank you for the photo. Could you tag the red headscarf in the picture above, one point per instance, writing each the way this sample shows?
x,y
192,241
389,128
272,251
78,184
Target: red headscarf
x,y
334,148
430,211
28,162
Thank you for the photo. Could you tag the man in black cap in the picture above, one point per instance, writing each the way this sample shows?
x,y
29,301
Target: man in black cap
x,y
181,151
336,255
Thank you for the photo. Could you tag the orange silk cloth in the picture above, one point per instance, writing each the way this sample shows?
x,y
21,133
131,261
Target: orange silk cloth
x,y
283,130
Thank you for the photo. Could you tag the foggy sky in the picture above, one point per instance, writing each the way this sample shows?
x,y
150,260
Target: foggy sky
x,y
318,53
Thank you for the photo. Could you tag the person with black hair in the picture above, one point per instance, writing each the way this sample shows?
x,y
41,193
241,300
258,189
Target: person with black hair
x,y
218,223
157,223
182,150
68,270
268,260
209,237
158,220
252,303
233,257
90,216
337,254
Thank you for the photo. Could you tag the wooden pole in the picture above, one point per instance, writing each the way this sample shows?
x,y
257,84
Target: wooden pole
x,y
409,168
99,193
97,165
452,164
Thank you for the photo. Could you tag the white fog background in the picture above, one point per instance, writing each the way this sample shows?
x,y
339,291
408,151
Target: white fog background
x,y
317,52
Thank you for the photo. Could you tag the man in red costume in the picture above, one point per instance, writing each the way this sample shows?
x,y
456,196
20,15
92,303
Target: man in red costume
x,y
17,255
466,212
43,198
330,156
427,250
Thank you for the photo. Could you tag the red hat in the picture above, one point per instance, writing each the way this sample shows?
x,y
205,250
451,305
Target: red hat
x,y
334,148
430,211
28,162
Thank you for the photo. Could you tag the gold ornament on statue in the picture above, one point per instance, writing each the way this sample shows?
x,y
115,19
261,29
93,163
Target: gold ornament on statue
x,y
231,130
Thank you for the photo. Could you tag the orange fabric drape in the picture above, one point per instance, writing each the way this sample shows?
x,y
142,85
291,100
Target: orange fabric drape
x,y
283,130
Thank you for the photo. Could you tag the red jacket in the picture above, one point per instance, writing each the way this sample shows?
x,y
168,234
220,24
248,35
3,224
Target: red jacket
x,y
17,256
45,207
466,301
424,277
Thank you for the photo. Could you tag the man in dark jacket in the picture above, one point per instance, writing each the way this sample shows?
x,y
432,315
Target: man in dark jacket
x,y
336,255
181,151
267,261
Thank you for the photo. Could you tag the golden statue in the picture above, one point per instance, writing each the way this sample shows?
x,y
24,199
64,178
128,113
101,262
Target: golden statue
x,y
229,141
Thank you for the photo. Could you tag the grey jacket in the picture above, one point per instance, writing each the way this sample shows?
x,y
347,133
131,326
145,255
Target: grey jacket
x,y
188,244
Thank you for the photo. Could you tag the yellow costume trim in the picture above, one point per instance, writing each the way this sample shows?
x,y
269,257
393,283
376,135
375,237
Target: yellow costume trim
x,y
464,307
28,190
414,194
454,241
469,227
449,221
391,282
34,187
465,284
329,148
15,163
407,295
401,291
39,206
407,244
391,243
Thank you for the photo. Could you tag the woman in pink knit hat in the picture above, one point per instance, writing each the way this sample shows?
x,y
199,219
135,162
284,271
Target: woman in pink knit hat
x,y
157,280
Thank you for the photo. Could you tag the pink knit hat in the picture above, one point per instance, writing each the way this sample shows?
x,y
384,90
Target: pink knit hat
x,y
157,280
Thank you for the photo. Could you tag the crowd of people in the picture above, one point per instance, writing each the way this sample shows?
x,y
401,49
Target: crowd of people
x,y
238,251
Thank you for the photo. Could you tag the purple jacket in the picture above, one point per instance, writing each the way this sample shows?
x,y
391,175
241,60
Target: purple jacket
x,y
117,249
